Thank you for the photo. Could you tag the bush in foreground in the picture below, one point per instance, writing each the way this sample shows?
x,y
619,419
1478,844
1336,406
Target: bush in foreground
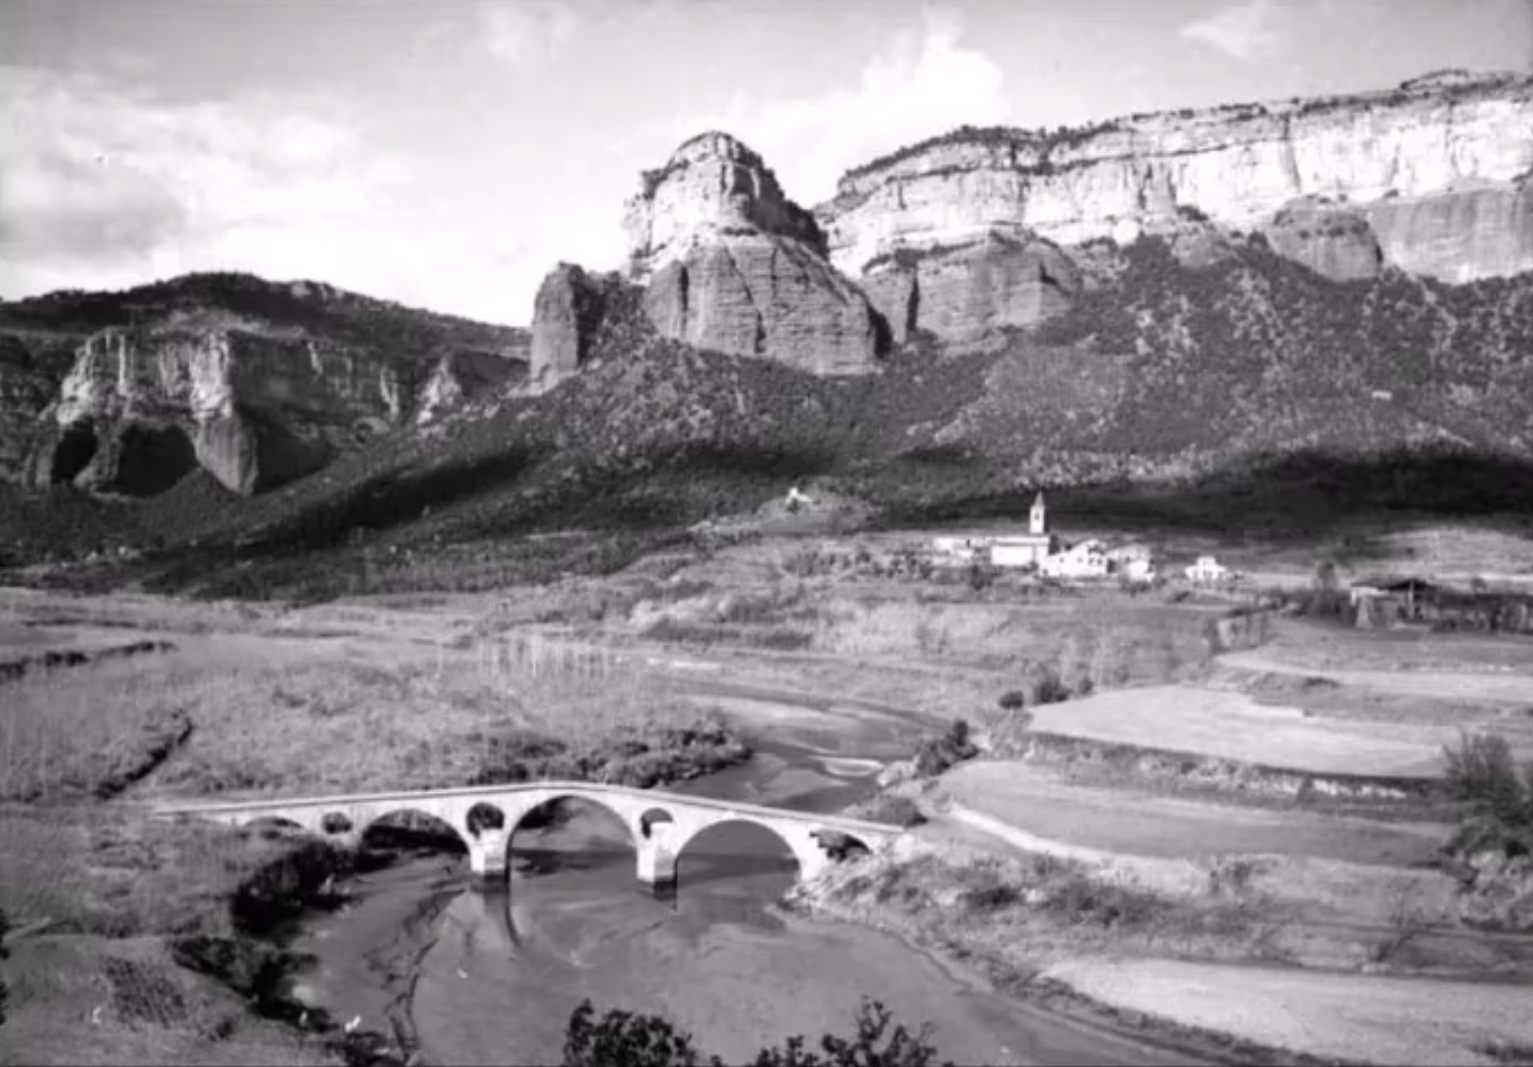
x,y
630,1039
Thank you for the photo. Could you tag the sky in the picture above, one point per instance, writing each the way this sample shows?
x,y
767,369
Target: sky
x,y
448,153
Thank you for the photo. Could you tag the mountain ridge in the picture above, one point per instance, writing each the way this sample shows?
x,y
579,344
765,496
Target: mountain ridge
x,y
1198,362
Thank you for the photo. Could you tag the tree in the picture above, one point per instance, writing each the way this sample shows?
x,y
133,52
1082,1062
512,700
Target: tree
x,y
630,1039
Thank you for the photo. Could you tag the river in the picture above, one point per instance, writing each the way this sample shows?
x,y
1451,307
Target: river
x,y
491,978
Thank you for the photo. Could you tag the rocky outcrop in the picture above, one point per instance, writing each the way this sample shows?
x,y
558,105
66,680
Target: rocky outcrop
x,y
713,188
1328,240
965,293
766,296
461,377
569,310
257,382
142,408
1439,170
733,266
1461,235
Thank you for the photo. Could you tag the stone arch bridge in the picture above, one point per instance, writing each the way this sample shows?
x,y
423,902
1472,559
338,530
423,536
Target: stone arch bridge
x,y
486,817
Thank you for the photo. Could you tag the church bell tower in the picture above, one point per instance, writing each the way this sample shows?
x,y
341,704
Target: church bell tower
x,y
1038,523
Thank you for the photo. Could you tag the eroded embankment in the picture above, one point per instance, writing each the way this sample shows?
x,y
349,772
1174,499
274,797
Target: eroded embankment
x,y
57,659
1237,777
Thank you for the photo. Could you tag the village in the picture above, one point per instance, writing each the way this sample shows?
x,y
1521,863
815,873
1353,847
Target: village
x,y
1043,556
1039,553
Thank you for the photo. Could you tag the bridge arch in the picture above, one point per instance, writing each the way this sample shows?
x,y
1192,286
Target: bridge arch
x,y
272,826
652,818
484,816
594,798
800,847
392,816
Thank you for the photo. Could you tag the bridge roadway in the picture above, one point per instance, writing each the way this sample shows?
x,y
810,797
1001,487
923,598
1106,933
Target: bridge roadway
x,y
486,817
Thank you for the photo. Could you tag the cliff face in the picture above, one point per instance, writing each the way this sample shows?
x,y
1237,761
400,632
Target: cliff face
x,y
139,410
1438,170
566,316
734,266
256,382
964,293
459,377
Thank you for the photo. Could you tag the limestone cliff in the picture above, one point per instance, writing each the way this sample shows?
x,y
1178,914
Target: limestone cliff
x,y
1436,172
734,266
141,409
460,377
566,315
963,293
257,382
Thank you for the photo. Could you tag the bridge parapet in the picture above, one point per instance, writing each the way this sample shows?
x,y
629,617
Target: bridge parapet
x,y
661,824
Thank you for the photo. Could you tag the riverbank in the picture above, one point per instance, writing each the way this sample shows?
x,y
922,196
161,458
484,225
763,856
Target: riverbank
x,y
1213,974
1000,926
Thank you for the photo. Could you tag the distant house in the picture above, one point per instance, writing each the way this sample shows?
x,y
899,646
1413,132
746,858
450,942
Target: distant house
x,y
1029,549
955,549
1207,570
1133,561
1087,559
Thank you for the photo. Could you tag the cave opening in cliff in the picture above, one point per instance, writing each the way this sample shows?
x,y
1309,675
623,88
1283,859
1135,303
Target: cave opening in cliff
x,y
76,448
151,459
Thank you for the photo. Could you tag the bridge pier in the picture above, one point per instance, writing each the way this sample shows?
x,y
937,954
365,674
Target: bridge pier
x,y
657,861
488,857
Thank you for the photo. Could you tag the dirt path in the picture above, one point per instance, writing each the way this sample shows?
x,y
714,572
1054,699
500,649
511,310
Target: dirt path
x,y
1375,1019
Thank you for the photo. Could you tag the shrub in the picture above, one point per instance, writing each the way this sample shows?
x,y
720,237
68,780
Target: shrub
x,y
629,1039
937,754
1480,769
896,810
1085,901
1012,699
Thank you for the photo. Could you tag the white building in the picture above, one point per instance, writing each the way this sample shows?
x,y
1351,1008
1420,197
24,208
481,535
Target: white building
x,y
1087,559
1207,569
1133,561
960,549
1021,550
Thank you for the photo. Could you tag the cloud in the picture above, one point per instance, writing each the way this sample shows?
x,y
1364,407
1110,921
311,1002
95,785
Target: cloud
x,y
1250,30
922,82
105,185
524,31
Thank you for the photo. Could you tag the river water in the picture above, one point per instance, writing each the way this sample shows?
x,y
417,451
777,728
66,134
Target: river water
x,y
491,978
